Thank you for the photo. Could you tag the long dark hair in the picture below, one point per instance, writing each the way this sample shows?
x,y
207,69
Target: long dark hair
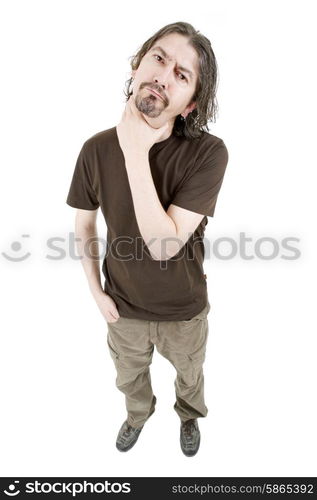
x,y
205,92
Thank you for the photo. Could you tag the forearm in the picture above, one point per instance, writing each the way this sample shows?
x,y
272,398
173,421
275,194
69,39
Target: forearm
x,y
155,226
88,250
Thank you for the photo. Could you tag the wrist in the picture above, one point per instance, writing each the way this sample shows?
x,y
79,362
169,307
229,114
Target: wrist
x,y
97,292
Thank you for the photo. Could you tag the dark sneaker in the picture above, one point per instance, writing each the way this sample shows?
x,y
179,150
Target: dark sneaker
x,y
190,437
127,436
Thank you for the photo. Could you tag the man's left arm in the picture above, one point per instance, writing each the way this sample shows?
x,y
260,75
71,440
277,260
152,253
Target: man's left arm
x,y
164,233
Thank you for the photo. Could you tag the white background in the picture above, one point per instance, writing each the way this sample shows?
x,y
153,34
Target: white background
x,y
64,66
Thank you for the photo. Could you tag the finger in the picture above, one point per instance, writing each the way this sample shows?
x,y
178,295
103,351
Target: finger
x,y
129,107
114,313
133,107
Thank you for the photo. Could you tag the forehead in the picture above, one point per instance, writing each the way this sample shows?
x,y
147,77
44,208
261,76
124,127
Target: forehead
x,y
179,51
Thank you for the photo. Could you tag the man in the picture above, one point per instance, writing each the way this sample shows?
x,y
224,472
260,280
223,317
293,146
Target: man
x,y
156,177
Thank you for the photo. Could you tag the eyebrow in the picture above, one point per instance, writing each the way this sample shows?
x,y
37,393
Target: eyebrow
x,y
190,73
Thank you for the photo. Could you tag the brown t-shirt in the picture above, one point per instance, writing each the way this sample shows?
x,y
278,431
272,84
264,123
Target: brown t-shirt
x,y
187,173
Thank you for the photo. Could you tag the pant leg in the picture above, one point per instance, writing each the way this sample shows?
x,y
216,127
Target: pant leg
x,y
131,350
183,343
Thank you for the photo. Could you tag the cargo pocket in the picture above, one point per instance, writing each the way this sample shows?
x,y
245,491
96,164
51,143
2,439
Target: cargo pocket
x,y
196,362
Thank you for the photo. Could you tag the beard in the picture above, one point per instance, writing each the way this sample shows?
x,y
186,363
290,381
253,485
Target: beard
x,y
150,105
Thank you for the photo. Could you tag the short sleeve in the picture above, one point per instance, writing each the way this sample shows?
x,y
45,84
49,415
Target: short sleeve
x,y
81,192
200,191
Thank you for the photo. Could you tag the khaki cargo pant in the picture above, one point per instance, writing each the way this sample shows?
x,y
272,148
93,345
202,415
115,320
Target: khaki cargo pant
x,y
131,345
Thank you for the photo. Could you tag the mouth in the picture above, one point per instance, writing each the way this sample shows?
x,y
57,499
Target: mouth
x,y
155,93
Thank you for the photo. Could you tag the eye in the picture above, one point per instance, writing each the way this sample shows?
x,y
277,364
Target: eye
x,y
184,77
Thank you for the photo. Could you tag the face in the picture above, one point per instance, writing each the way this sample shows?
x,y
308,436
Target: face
x,y
164,71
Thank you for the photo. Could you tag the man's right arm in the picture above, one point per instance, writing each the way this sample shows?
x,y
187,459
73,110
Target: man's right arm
x,y
86,235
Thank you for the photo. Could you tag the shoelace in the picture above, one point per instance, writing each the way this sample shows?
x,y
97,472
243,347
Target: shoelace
x,y
127,431
189,427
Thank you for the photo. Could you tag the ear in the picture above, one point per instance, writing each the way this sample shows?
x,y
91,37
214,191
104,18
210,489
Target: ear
x,y
133,73
188,109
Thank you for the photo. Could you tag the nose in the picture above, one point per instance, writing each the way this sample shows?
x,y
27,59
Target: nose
x,y
162,78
